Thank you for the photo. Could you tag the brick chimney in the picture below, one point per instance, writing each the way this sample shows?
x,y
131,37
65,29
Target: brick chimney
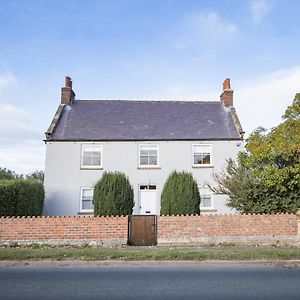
x,y
227,95
67,94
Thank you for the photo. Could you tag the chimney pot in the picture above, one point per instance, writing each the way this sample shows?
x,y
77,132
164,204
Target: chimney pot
x,y
226,84
68,82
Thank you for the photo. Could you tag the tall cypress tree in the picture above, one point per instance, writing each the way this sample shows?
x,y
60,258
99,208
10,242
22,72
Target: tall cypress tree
x,y
180,195
113,195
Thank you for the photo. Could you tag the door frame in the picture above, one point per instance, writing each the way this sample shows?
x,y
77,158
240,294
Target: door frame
x,y
156,199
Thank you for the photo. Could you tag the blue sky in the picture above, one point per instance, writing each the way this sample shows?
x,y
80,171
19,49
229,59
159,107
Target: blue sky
x,y
180,50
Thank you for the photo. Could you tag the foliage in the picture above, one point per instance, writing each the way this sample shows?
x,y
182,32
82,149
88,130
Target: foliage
x,y
180,195
8,174
20,197
113,195
266,177
37,175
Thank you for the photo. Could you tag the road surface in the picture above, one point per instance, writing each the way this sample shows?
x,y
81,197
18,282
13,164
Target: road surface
x,y
149,281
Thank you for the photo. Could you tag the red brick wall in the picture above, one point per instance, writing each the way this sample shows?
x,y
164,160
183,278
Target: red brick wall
x,y
63,228
107,230
180,228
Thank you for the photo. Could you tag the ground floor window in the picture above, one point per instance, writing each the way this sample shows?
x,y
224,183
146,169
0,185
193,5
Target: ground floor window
x,y
206,196
86,199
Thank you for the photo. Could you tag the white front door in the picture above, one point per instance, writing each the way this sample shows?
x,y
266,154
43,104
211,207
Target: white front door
x,y
148,200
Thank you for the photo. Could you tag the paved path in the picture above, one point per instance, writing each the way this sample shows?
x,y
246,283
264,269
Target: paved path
x,y
63,280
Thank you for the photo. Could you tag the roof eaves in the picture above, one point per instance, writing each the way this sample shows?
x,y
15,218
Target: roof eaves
x,y
141,140
237,122
145,101
54,122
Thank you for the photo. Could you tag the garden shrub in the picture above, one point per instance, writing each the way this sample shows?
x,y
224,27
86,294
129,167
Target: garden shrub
x,y
180,195
21,197
113,195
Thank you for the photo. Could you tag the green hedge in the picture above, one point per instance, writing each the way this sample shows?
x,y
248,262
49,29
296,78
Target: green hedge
x,y
180,195
21,197
113,195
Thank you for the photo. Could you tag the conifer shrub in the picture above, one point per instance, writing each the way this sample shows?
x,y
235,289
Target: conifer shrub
x,y
20,197
180,195
113,195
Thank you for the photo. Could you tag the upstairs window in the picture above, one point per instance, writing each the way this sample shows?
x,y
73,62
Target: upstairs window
x,y
86,200
201,155
206,197
148,155
91,156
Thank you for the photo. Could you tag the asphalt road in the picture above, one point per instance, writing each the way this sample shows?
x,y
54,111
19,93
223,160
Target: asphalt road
x,y
150,282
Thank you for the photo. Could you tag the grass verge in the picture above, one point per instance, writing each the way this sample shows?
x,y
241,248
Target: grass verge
x,y
132,254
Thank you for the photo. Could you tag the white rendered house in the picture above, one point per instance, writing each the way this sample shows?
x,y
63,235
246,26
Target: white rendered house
x,y
146,140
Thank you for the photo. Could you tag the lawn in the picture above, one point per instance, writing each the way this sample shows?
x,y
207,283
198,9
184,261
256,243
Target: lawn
x,y
153,253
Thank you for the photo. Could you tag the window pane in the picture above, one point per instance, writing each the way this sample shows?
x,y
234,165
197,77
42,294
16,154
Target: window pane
x,y
152,160
87,149
144,152
87,193
206,159
96,153
201,149
153,151
96,161
197,159
144,160
206,201
87,204
200,159
91,149
87,161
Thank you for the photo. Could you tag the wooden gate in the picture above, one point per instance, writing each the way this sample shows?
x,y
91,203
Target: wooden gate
x,y
142,230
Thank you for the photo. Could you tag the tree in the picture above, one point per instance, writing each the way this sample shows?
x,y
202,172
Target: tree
x,y
19,197
180,195
113,195
37,175
7,174
266,177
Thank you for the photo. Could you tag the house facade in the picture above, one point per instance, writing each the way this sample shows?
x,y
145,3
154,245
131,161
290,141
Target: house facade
x,y
146,140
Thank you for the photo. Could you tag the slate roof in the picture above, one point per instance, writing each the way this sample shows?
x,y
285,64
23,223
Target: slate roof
x,y
117,120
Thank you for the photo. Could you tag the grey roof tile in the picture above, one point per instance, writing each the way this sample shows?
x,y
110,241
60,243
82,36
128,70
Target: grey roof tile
x,y
144,120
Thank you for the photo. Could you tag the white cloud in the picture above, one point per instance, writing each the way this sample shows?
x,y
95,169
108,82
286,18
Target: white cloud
x,y
23,158
209,22
197,29
6,80
262,101
259,101
21,146
259,9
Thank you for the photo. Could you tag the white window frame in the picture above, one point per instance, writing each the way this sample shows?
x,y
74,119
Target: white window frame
x,y
81,194
139,156
210,193
82,166
193,154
